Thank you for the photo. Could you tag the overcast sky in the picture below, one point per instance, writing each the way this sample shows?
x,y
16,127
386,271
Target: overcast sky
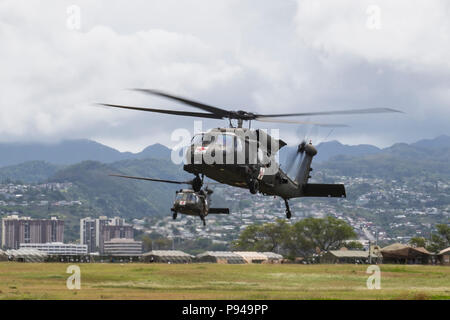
x,y
261,56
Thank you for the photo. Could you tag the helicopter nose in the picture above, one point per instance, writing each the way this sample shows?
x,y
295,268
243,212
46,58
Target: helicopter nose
x,y
213,154
194,155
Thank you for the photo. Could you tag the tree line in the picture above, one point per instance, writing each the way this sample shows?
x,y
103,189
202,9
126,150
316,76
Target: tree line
x,y
438,240
301,239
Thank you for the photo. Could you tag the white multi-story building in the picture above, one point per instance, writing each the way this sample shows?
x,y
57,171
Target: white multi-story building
x,y
57,248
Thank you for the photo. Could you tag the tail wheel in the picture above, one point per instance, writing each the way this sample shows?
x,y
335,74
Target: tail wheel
x,y
174,216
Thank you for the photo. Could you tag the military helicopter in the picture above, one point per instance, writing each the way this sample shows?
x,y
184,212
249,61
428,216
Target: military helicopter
x,y
245,158
187,201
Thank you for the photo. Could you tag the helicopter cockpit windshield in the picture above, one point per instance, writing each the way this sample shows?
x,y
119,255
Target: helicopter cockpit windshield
x,y
203,139
187,197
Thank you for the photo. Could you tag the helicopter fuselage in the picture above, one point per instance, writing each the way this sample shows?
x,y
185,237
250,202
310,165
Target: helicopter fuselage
x,y
239,157
191,203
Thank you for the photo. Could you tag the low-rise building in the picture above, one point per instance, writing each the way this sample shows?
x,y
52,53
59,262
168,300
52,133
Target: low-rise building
x,y
273,257
400,253
26,255
252,257
58,248
444,257
122,247
223,257
167,256
348,256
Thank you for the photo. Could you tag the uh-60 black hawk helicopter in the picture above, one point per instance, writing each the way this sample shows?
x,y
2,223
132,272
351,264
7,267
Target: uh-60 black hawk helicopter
x,y
188,201
245,157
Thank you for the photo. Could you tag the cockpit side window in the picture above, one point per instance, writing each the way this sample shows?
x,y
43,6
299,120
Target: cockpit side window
x,y
207,139
191,197
197,139
260,156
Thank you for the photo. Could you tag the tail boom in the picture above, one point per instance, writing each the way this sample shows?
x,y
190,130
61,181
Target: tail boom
x,y
305,166
314,189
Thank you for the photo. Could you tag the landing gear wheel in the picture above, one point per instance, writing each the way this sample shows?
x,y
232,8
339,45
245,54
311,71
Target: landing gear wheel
x,y
203,220
288,214
253,186
197,184
174,216
288,210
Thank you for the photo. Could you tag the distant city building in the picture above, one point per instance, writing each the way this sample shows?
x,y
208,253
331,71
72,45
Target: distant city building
x,y
122,247
17,230
88,233
94,232
57,248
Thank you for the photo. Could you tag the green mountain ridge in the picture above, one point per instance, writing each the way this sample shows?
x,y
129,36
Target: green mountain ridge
x,y
101,194
394,163
29,172
111,196
73,151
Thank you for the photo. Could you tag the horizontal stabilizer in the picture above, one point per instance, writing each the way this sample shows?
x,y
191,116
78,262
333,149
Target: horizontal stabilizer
x,y
324,190
219,211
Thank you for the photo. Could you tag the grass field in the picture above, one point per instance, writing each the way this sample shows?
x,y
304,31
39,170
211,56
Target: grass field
x,y
216,281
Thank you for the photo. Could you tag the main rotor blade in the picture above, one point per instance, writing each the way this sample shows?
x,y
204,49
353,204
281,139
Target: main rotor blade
x,y
301,122
352,111
174,112
217,111
151,179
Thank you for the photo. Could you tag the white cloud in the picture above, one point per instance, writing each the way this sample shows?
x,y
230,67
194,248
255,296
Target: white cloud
x,y
279,56
52,74
412,34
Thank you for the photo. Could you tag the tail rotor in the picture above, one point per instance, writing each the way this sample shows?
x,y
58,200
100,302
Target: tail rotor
x,y
294,159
